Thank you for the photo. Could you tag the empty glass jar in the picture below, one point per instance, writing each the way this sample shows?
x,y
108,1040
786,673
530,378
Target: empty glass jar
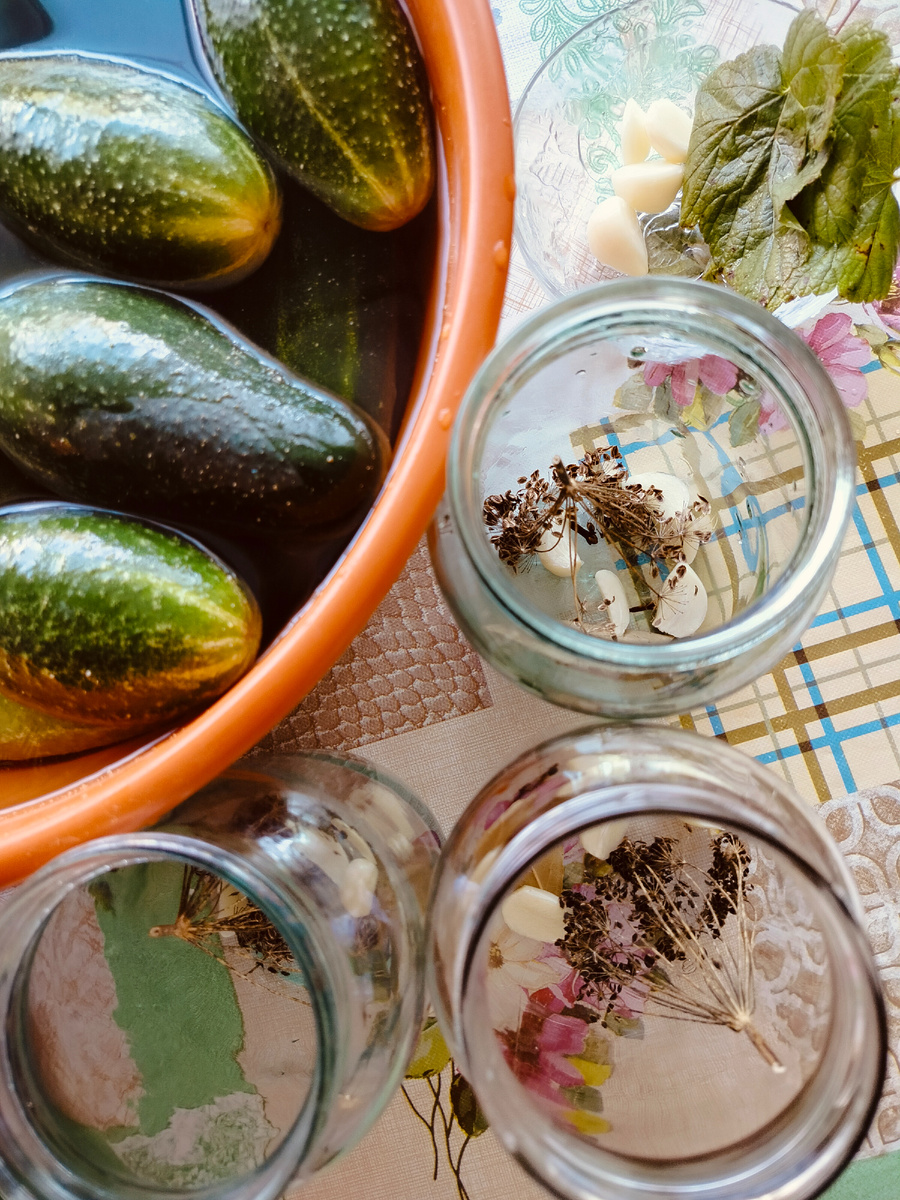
x,y
647,488
648,958
223,1003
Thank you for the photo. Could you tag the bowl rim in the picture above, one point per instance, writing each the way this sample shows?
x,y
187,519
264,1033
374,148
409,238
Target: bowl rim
x,y
476,191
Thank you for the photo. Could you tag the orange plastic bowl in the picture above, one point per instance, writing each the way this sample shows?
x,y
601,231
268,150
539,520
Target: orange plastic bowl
x,y
47,808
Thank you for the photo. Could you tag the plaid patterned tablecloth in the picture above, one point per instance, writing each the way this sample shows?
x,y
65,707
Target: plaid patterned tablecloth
x,y
413,697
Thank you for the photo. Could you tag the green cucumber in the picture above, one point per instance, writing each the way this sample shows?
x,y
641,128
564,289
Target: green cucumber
x,y
339,305
124,171
109,622
117,396
27,733
336,90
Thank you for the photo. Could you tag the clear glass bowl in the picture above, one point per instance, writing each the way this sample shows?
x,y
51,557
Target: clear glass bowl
x,y
209,1009
764,471
566,126
650,962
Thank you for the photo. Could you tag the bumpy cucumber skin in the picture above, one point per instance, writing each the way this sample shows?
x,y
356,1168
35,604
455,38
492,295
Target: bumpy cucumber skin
x,y
336,90
126,398
109,622
123,171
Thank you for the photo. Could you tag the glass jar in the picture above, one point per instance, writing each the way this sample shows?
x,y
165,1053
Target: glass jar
x,y
695,478
649,961
221,1004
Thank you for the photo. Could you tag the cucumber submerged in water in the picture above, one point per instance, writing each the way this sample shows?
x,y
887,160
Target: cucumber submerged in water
x,y
125,398
110,623
121,170
337,91
339,305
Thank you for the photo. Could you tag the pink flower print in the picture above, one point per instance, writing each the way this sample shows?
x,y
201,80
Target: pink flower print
x,y
717,374
537,1051
842,354
771,418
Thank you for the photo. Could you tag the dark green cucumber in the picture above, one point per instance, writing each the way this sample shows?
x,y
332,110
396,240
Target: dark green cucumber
x,y
339,305
121,170
126,398
336,90
108,622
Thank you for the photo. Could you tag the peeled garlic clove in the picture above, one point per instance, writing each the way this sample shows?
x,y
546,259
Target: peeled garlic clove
x,y
616,605
614,237
533,913
674,498
649,187
669,130
633,133
682,604
601,840
326,852
554,553
357,889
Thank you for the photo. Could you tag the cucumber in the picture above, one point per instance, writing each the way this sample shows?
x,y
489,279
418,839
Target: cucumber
x,y
27,733
336,90
125,398
339,305
124,171
109,622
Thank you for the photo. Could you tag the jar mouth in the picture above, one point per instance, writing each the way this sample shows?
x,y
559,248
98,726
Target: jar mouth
x,y
572,1166
50,1174
718,319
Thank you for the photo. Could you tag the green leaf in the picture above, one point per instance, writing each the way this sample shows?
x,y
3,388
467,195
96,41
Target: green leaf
x,y
431,1054
664,405
889,356
873,334
857,425
791,163
703,410
736,112
851,214
630,1027
634,395
466,1109
743,424
586,1099
812,72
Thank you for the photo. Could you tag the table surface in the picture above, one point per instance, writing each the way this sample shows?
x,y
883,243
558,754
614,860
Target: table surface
x,y
414,698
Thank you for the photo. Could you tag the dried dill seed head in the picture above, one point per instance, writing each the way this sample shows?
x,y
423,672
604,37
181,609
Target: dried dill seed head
x,y
593,497
653,908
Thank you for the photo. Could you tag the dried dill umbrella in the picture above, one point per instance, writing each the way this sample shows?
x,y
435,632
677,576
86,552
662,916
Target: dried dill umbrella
x,y
593,498
200,923
669,911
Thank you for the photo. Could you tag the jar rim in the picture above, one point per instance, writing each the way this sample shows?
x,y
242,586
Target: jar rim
x,y
818,419
50,887
642,768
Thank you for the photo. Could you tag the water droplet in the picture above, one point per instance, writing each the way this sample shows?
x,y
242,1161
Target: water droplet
x,y
638,352
749,387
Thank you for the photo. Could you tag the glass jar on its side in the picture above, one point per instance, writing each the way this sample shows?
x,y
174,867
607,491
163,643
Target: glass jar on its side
x,y
221,1004
751,485
649,961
